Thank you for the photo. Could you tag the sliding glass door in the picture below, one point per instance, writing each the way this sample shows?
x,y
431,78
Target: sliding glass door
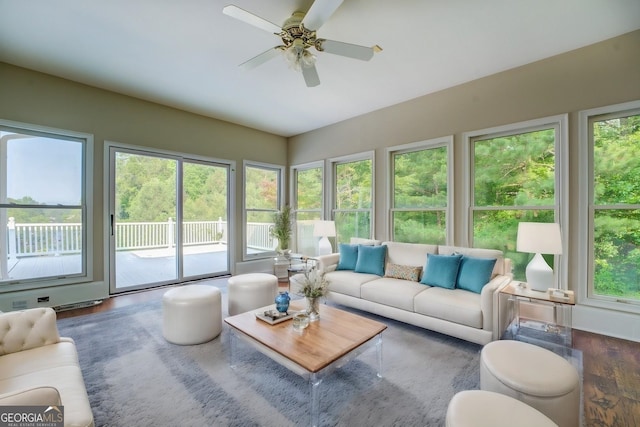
x,y
204,201
167,220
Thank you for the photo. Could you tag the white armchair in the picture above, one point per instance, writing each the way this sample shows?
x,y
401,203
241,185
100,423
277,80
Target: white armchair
x,y
38,367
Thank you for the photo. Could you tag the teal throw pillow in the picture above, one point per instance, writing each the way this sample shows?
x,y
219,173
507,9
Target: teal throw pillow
x,y
475,273
441,270
371,259
348,256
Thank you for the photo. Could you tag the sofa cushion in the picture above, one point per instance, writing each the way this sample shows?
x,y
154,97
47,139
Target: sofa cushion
x,y
392,292
69,383
348,282
46,396
409,253
441,270
371,259
474,273
366,242
42,358
406,272
348,256
454,305
499,268
54,365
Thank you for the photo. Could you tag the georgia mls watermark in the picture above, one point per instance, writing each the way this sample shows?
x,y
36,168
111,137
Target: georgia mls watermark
x,y
32,416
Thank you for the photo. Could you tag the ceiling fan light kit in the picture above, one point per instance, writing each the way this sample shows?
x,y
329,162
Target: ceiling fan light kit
x,y
298,34
298,56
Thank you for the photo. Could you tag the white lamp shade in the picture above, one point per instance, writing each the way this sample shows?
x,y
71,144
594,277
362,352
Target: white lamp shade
x,y
324,229
539,238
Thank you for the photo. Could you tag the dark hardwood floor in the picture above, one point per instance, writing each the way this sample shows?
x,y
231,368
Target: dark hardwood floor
x,y
611,367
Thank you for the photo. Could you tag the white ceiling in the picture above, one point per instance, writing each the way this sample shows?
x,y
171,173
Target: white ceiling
x,y
185,54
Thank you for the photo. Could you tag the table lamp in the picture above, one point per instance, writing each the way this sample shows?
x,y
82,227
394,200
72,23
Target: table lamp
x,y
539,238
324,229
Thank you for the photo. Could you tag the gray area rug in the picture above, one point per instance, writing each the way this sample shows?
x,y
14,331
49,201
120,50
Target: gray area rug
x,y
135,378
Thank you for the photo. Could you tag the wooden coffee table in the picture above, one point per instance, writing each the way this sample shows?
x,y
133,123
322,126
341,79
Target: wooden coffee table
x,y
324,346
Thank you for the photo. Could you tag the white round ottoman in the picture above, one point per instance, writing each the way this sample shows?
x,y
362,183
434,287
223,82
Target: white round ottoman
x,y
479,408
534,375
191,314
251,291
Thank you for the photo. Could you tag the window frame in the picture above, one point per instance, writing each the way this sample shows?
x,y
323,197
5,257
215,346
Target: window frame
x,y
446,142
86,207
293,194
561,190
181,158
585,277
351,158
280,204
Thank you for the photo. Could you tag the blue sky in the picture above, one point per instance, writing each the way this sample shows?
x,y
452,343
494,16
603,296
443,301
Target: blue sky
x,y
48,170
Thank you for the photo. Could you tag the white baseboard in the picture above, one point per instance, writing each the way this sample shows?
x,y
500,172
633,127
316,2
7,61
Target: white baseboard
x,y
607,322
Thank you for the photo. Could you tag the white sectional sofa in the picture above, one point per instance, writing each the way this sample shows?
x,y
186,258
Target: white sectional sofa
x,y
465,314
38,367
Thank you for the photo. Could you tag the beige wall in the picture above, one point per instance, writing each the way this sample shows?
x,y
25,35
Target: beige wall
x,y
44,100
602,74
598,75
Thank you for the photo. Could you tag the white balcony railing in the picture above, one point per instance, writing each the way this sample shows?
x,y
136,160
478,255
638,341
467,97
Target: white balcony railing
x,y
41,239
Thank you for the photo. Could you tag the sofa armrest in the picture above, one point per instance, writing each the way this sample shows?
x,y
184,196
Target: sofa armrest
x,y
489,300
48,396
26,329
327,263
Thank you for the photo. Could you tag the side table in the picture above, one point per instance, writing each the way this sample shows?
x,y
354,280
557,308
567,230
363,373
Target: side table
x,y
524,323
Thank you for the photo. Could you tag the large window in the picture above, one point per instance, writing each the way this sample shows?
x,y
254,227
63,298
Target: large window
x,y
420,196
352,197
263,190
307,205
611,146
516,177
44,207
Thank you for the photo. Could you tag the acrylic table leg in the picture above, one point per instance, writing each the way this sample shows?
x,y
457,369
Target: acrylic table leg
x,y
233,341
379,354
314,385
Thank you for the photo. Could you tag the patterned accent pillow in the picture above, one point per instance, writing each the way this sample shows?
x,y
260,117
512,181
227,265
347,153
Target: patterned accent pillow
x,y
406,272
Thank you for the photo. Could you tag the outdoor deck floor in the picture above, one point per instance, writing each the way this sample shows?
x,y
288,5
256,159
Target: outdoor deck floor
x,y
132,267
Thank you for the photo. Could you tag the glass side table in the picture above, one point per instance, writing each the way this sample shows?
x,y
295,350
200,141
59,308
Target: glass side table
x,y
539,316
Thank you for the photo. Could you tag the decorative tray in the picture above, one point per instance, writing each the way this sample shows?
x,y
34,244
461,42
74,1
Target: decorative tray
x,y
273,317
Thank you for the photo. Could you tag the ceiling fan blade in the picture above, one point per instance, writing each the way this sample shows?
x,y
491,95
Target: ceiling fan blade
x,y
251,19
319,13
347,49
261,59
310,75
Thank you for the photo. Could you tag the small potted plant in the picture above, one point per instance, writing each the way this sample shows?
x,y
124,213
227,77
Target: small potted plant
x,y
281,230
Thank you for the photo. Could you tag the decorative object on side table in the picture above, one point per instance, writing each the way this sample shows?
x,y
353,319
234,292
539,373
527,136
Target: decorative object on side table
x,y
539,238
282,301
314,287
281,230
324,230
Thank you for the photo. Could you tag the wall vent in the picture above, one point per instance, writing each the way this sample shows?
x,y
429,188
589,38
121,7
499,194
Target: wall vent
x,y
19,305
83,304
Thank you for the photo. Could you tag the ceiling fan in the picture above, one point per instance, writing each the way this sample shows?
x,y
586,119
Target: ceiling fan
x,y
298,34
